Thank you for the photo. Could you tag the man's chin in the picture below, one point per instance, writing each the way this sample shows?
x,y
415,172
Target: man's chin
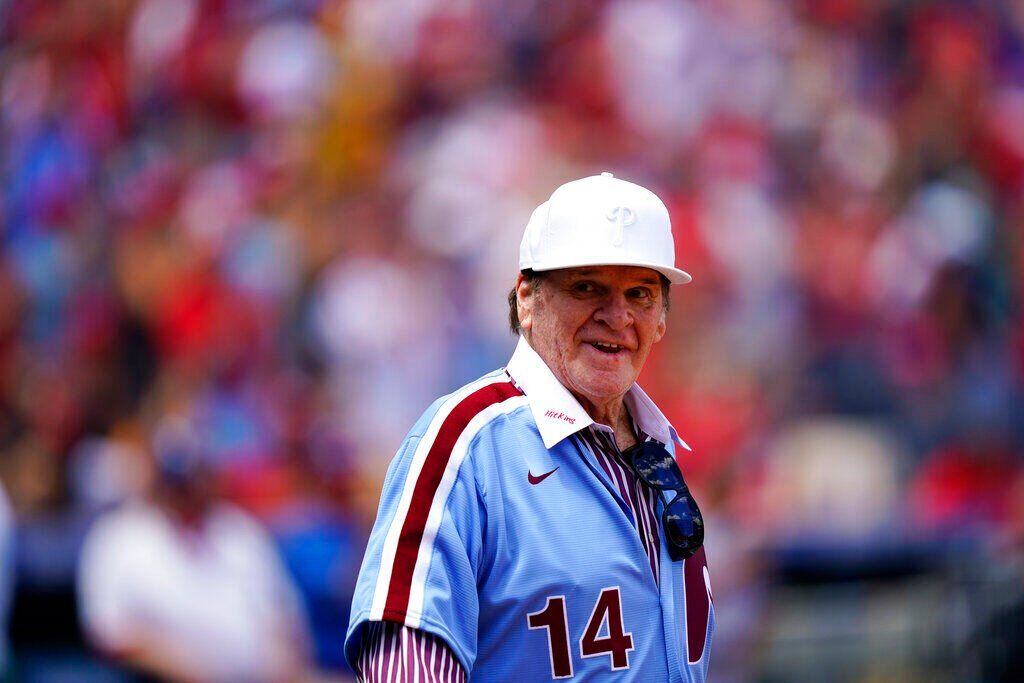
x,y
602,388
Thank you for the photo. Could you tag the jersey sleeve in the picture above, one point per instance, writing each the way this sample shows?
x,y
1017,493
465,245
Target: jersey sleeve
x,y
421,563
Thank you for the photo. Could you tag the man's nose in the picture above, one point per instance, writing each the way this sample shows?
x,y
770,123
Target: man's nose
x,y
614,312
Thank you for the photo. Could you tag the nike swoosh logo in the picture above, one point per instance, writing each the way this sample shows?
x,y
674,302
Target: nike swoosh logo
x,y
536,480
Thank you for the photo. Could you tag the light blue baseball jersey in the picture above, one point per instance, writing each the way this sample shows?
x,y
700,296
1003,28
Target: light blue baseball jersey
x,y
498,532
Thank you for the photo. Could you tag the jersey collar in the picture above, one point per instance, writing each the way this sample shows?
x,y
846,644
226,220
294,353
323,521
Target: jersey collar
x,y
557,412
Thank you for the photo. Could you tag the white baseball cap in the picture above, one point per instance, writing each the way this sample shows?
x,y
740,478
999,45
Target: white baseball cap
x,y
601,221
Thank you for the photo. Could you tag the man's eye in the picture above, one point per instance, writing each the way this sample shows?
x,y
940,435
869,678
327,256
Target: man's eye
x,y
583,287
640,293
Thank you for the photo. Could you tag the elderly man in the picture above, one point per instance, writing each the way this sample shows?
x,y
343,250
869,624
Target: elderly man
x,y
534,524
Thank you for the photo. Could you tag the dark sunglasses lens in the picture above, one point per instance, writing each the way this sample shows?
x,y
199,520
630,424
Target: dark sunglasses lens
x,y
656,466
684,526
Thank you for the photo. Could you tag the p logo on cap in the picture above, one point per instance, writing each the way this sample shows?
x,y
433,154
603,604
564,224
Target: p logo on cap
x,y
623,216
572,229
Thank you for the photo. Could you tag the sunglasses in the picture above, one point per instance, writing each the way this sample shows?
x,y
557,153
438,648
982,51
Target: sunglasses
x,y
681,519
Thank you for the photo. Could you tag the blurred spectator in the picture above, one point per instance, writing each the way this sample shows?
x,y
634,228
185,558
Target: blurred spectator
x,y
186,588
833,481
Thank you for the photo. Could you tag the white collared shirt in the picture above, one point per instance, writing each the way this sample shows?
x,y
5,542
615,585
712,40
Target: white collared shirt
x,y
557,412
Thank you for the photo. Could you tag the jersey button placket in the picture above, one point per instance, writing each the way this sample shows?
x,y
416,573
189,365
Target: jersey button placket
x,y
671,584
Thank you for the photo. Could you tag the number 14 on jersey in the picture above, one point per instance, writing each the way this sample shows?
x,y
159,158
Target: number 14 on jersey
x,y
606,616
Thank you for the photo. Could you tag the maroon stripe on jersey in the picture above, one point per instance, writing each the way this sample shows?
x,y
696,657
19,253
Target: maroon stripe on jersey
x,y
397,603
698,605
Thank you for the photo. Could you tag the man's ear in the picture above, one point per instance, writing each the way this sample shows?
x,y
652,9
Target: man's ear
x,y
525,291
662,327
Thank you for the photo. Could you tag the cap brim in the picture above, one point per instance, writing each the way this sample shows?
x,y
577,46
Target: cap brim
x,y
674,275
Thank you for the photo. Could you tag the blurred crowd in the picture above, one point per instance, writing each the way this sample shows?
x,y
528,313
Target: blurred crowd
x,y
292,224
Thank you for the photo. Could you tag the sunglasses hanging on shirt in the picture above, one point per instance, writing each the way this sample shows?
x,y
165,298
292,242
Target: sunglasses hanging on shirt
x,y
681,518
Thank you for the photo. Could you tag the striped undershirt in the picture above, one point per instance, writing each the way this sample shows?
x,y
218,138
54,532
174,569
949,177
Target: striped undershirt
x,y
393,653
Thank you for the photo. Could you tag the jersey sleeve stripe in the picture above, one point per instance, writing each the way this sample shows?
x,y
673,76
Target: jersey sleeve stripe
x,y
423,443
439,504
424,496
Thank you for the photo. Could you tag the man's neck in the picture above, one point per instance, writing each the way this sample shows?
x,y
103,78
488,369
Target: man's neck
x,y
625,438
614,415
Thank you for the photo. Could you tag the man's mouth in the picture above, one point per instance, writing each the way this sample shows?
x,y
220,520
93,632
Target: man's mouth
x,y
606,347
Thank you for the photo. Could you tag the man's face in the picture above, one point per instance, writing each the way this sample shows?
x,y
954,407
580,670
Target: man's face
x,y
593,326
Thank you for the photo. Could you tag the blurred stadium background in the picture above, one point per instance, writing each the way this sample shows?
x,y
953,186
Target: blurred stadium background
x,y
294,223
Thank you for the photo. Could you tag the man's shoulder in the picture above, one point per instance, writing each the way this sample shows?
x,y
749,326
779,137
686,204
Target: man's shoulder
x,y
480,415
470,407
